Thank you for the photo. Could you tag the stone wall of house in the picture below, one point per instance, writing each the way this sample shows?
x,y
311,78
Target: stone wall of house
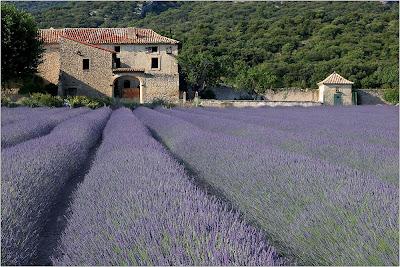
x,y
345,90
94,82
49,69
136,56
161,86
159,83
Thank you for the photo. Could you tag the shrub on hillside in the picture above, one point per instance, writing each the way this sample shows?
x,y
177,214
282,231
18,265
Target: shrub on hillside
x,y
391,96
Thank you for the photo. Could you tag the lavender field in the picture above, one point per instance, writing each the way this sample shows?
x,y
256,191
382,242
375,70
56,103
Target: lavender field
x,y
200,186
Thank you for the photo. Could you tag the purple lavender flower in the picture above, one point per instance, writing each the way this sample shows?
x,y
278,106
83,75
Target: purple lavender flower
x,y
319,210
137,206
33,173
22,130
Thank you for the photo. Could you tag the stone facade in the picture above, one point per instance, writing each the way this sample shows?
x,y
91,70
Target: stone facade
x,y
120,59
49,70
95,81
138,57
327,93
162,87
157,83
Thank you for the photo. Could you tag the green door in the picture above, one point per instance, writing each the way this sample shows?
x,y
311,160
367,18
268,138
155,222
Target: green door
x,y
337,99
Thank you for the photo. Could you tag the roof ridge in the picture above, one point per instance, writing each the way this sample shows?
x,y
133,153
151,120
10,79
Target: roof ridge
x,y
127,35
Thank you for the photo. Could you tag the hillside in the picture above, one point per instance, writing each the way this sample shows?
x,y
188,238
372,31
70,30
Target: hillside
x,y
256,45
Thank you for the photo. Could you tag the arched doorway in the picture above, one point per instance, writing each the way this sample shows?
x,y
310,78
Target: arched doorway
x,y
127,87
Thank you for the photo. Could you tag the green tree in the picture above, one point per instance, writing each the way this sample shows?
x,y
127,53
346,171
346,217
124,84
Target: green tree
x,y
21,49
258,79
201,69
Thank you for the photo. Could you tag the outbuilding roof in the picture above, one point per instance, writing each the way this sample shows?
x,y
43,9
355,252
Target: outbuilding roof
x,y
335,78
128,35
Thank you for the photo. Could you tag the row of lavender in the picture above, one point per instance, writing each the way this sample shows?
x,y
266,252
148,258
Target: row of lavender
x,y
33,174
370,147
137,206
28,124
324,211
10,115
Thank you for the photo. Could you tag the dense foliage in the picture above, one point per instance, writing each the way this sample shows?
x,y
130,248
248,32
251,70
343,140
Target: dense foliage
x,y
91,14
260,45
40,100
391,95
20,48
315,206
159,216
33,173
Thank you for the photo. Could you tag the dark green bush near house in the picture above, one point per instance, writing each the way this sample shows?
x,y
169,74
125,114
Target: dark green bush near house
x,y
391,96
48,100
207,94
31,84
160,102
5,101
128,103
35,84
83,101
51,88
41,100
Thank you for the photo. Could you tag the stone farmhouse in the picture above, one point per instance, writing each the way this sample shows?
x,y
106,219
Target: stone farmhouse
x,y
115,62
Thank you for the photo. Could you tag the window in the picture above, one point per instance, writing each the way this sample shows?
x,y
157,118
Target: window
x,y
117,62
117,49
127,84
154,63
71,92
152,49
85,63
169,50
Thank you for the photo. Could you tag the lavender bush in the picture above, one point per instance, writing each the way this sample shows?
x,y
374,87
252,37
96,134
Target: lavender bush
x,y
33,173
10,115
137,206
20,131
321,212
339,147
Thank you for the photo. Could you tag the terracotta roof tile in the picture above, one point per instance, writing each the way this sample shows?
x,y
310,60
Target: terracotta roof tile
x,y
106,36
335,78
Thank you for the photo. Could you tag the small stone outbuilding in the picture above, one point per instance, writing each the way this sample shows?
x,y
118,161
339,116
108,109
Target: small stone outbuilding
x,y
336,90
